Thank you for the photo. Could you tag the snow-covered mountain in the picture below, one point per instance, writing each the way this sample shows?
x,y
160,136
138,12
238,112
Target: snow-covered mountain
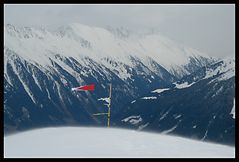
x,y
41,66
80,142
200,105
80,41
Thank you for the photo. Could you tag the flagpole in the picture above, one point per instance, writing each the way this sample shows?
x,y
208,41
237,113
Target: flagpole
x,y
109,105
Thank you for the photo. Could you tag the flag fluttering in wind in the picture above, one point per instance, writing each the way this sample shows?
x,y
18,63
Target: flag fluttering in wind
x,y
90,87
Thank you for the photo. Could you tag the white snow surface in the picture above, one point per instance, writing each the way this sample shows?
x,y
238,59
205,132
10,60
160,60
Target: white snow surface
x,y
105,99
227,70
133,119
82,142
133,101
160,90
149,98
183,85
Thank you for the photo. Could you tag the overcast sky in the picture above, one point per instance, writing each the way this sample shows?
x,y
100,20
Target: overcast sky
x,y
208,28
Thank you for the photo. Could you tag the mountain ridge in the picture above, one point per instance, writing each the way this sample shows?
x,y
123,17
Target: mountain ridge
x,y
200,105
41,67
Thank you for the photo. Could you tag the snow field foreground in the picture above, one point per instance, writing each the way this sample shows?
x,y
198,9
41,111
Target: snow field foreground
x,y
91,142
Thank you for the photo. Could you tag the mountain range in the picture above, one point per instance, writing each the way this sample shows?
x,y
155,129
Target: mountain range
x,y
41,67
200,105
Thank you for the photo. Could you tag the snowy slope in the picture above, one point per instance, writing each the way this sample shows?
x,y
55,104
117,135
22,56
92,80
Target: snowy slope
x,y
102,142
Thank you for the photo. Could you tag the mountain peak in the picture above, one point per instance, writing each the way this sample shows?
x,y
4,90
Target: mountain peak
x,y
78,40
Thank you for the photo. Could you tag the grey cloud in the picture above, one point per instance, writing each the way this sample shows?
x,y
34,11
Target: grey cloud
x,y
208,28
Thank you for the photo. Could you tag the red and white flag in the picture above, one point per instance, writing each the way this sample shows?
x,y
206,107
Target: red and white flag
x,y
90,87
